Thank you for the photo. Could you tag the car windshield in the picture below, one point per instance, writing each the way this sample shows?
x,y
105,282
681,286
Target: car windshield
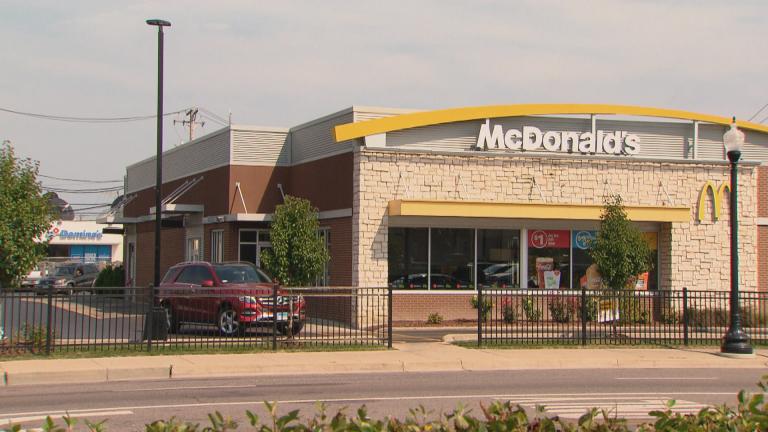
x,y
64,271
240,273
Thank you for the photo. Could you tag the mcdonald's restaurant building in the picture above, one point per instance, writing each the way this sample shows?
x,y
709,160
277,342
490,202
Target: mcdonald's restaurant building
x,y
437,203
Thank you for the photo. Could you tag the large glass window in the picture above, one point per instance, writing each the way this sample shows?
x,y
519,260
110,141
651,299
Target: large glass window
x,y
582,274
217,246
453,258
407,251
549,259
498,258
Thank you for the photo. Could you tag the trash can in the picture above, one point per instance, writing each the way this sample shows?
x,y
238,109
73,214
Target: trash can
x,y
158,323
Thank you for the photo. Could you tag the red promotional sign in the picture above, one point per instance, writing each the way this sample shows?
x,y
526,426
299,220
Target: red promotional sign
x,y
541,239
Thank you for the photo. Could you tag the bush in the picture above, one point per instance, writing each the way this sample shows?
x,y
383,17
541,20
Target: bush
x,y
531,309
33,337
111,276
486,307
707,317
509,312
562,310
435,318
591,308
634,310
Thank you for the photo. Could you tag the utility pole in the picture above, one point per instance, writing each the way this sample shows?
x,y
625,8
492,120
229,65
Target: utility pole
x,y
191,120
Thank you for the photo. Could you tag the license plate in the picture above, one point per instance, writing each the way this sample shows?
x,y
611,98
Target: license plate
x,y
281,316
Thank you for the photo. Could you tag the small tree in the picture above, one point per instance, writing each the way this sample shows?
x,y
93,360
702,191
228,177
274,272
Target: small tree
x,y
25,216
298,254
620,251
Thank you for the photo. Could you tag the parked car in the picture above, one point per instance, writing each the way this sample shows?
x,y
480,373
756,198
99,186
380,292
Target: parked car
x,y
231,296
66,277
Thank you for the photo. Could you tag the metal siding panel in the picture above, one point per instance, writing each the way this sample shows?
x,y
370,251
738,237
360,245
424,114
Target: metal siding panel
x,y
202,155
260,148
658,140
711,142
316,141
755,147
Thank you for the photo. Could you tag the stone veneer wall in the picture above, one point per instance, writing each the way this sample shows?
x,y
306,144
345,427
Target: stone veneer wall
x,y
691,254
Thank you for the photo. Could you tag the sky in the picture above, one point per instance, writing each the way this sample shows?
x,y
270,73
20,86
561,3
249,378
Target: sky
x,y
282,63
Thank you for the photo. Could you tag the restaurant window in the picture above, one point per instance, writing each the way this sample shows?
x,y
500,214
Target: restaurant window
x,y
498,258
582,261
193,249
325,278
453,258
407,250
549,259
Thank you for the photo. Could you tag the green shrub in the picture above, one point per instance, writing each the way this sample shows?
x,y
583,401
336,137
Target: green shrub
x,y
532,310
435,318
32,337
634,310
591,308
707,317
485,312
509,313
562,310
111,276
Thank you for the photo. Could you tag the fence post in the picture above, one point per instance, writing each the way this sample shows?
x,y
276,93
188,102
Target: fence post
x,y
479,315
583,316
274,317
685,316
389,317
48,321
148,324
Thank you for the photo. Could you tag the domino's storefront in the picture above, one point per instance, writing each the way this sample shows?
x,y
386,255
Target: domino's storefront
x,y
446,201
83,241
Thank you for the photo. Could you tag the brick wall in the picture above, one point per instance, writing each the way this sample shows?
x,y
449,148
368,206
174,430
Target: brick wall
x,y
171,251
762,231
341,250
417,307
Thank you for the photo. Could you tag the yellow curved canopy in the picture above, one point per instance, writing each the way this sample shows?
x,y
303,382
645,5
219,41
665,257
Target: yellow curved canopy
x,y
427,118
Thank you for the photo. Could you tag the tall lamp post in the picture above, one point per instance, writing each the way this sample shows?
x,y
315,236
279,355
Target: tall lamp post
x,y
159,168
735,341
151,316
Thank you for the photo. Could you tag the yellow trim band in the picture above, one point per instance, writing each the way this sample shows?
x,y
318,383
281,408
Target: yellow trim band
x,y
428,118
717,199
531,211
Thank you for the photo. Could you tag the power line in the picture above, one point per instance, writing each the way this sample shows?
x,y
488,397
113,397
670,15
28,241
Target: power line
x,y
79,180
758,112
87,119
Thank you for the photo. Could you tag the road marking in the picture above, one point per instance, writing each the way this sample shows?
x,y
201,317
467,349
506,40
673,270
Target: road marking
x,y
518,398
668,378
629,407
53,415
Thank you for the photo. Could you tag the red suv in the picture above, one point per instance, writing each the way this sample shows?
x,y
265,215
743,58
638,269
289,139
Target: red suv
x,y
233,296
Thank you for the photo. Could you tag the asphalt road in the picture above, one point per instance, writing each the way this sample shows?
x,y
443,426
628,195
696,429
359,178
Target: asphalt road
x,y
629,393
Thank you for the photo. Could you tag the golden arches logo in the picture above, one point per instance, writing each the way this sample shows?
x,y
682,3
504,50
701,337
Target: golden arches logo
x,y
717,199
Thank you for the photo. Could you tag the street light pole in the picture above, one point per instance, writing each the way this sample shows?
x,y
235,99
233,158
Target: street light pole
x,y
159,167
735,341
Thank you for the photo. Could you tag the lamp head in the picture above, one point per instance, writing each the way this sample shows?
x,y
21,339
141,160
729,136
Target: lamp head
x,y
158,23
733,139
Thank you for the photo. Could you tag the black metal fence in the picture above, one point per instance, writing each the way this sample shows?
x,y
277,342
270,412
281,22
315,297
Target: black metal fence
x,y
77,319
540,317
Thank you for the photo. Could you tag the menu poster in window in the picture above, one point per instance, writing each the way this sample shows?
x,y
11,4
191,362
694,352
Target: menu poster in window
x,y
558,239
544,265
583,239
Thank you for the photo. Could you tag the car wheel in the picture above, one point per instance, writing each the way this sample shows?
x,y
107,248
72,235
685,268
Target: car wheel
x,y
282,328
228,322
171,322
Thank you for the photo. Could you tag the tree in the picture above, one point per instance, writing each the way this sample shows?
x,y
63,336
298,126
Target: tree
x,y
298,254
620,251
25,217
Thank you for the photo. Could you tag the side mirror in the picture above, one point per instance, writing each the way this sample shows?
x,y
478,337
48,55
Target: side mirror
x,y
207,283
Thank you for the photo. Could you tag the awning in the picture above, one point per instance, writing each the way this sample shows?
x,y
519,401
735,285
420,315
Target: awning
x,y
531,210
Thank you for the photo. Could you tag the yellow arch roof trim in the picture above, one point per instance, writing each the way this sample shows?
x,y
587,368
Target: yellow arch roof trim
x,y
427,118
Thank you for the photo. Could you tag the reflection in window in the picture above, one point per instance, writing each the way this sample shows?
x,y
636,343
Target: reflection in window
x,y
549,259
453,258
498,258
407,249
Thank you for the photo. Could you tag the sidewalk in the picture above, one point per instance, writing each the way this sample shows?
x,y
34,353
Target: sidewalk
x,y
405,357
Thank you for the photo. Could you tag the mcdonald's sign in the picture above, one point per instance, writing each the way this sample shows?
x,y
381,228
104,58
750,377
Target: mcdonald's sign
x,y
717,199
